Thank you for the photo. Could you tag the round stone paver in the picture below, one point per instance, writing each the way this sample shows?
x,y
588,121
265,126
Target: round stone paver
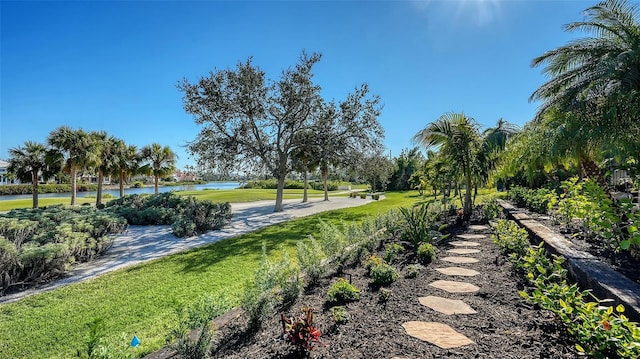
x,y
455,287
458,271
472,236
438,334
460,260
446,305
464,244
463,251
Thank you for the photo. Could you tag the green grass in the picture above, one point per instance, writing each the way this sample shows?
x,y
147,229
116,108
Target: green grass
x,y
142,299
6,205
240,195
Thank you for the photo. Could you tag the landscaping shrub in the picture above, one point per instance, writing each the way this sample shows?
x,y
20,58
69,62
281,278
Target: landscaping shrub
x,y
331,185
392,252
342,292
186,215
383,274
420,226
412,271
300,331
601,331
339,315
272,184
510,238
310,260
384,295
43,243
491,209
426,253
98,348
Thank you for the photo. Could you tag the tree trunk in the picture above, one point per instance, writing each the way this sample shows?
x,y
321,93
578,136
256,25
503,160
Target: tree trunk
x,y
121,184
99,194
305,197
34,182
155,185
74,185
467,196
280,192
325,176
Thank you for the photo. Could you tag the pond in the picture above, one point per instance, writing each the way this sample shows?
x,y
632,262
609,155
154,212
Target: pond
x,y
147,189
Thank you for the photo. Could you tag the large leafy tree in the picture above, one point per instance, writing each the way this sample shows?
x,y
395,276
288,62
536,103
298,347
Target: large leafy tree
x,y
597,78
161,161
409,162
78,150
248,119
343,133
31,161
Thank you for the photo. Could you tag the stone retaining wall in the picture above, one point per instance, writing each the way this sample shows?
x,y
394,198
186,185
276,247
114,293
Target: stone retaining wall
x,y
585,268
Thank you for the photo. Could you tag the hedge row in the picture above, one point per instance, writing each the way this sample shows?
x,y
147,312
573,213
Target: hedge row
x,y
289,184
14,189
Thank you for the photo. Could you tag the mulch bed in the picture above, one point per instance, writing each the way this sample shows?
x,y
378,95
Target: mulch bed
x,y
621,261
506,326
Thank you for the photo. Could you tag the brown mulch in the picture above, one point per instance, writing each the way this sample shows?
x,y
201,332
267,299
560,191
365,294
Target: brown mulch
x,y
506,326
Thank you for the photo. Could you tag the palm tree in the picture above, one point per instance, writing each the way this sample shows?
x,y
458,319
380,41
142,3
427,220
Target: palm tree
x,y
458,137
79,152
162,161
597,78
128,163
108,158
33,160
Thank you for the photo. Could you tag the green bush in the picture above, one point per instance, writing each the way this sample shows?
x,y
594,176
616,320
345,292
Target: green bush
x,y
510,238
331,185
186,215
383,274
15,189
384,295
339,315
310,259
412,271
343,292
392,252
43,243
426,253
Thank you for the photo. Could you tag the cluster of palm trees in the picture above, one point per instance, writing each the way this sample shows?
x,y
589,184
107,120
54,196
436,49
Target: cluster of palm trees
x,y
590,102
464,152
76,151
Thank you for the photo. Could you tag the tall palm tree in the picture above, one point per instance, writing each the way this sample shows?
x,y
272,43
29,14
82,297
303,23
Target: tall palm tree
x,y
30,161
162,161
128,163
79,152
458,137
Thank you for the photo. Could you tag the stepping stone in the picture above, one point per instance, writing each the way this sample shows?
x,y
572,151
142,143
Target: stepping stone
x,y
460,260
479,227
463,251
472,236
446,305
455,287
464,244
458,271
438,334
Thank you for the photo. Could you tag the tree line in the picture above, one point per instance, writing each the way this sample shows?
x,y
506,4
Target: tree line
x,y
76,151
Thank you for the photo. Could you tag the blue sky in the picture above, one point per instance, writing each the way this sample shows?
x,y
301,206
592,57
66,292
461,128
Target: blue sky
x,y
114,66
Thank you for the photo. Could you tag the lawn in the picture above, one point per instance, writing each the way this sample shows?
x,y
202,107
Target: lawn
x,y
234,195
142,299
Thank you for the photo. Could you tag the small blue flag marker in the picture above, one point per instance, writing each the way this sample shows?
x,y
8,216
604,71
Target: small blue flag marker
x,y
135,341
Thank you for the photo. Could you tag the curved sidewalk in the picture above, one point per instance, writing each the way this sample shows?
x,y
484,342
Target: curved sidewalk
x,y
144,243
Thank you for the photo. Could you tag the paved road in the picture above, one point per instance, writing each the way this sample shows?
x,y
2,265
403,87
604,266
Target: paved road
x,y
144,243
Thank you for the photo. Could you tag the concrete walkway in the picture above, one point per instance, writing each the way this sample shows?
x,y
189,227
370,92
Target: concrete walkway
x,y
144,243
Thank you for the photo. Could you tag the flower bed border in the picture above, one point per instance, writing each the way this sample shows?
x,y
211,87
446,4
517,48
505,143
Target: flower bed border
x,y
585,268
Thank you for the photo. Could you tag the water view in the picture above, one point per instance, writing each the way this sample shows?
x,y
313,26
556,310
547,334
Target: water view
x,y
147,189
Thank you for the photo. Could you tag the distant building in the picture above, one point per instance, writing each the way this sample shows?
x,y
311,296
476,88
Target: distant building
x,y
5,178
180,176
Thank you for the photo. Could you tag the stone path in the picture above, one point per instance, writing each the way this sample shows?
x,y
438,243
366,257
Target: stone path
x,y
440,334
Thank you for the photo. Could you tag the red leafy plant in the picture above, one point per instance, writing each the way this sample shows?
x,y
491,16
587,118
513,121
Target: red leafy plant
x,y
300,330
